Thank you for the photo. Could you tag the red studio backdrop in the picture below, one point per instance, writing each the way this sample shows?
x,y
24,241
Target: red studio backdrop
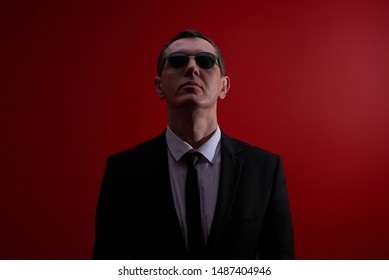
x,y
309,81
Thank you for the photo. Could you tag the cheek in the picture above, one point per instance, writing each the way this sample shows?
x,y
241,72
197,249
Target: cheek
x,y
215,87
167,81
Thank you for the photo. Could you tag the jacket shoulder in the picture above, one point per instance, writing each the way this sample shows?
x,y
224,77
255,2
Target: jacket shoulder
x,y
247,150
149,147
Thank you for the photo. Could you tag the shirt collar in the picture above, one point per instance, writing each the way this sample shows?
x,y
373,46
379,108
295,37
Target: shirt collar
x,y
179,147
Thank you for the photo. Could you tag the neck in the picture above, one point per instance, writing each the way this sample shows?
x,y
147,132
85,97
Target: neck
x,y
193,126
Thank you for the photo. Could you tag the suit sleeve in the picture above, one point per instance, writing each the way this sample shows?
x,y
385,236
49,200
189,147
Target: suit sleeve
x,y
276,241
110,231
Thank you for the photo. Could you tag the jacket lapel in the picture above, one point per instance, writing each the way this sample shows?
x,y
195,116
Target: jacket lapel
x,y
166,212
231,166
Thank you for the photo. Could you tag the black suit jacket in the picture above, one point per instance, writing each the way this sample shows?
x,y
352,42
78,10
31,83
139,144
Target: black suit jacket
x,y
136,216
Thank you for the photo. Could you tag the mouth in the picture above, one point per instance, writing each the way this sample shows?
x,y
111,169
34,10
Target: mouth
x,y
191,84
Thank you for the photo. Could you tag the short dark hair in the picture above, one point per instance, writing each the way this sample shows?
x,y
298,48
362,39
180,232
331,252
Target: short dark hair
x,y
188,34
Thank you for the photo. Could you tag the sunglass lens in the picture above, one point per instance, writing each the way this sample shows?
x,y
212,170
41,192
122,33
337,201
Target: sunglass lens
x,y
178,60
205,60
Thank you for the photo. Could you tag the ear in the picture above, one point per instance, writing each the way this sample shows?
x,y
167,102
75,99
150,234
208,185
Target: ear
x,y
225,87
158,87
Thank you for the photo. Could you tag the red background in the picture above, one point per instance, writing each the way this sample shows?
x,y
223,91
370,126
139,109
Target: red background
x,y
309,82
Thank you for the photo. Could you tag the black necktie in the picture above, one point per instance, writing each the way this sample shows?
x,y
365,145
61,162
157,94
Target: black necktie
x,y
196,242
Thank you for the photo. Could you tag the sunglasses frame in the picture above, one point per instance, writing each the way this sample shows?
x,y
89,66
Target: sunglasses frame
x,y
188,55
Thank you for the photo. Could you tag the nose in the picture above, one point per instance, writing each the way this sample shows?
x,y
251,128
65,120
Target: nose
x,y
192,68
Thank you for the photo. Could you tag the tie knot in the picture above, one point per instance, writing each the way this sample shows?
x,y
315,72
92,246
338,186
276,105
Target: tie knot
x,y
192,158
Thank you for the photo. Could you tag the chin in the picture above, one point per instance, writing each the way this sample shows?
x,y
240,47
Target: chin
x,y
191,90
187,101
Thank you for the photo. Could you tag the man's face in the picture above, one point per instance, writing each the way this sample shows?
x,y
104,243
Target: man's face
x,y
191,85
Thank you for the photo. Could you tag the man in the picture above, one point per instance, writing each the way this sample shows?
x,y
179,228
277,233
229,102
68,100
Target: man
x,y
193,192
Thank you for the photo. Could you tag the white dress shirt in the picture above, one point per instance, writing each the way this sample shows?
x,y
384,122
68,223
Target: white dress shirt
x,y
208,172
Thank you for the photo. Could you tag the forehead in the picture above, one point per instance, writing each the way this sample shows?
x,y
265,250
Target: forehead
x,y
190,45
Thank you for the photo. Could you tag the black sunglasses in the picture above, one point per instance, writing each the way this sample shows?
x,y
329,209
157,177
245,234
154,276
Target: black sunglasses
x,y
204,60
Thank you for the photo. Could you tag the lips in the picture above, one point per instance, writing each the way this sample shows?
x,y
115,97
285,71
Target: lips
x,y
191,83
